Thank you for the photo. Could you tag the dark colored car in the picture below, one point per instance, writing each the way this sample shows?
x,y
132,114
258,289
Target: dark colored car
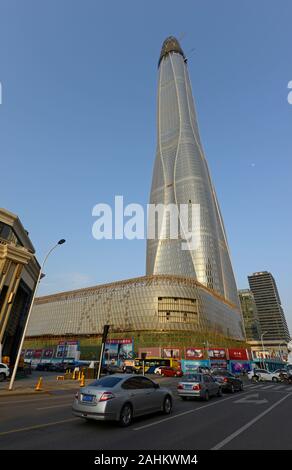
x,y
45,366
171,372
129,370
227,380
61,367
109,370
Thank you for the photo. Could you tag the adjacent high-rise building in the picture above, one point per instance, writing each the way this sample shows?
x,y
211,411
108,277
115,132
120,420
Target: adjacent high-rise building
x,y
271,315
181,176
250,315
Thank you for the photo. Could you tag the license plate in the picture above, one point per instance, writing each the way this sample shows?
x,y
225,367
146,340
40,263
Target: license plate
x,y
188,386
87,398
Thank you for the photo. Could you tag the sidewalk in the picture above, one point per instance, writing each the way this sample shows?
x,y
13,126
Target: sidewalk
x,y
50,385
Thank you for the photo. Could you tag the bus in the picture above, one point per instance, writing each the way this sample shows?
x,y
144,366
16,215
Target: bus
x,y
151,363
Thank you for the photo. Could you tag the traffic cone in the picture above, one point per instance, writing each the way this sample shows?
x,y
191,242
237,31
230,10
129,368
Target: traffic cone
x,y
74,374
82,381
79,376
39,385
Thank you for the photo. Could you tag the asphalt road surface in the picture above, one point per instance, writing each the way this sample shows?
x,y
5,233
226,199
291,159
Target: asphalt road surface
x,y
258,418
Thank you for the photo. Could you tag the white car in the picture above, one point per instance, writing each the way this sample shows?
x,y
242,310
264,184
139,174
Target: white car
x,y
4,371
158,370
263,375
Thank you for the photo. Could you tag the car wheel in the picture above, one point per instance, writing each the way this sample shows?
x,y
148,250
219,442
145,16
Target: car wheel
x,y
219,393
167,405
206,397
126,415
274,379
2,377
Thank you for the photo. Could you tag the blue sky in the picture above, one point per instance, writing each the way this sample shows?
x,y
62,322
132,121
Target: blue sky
x,y
78,125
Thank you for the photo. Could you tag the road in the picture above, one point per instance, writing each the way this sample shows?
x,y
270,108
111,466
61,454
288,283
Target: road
x,y
257,418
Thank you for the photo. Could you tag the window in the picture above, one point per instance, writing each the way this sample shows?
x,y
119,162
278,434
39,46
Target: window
x,y
137,383
194,377
106,382
177,310
146,383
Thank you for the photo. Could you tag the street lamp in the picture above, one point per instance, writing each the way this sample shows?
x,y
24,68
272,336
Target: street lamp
x,y
262,335
60,242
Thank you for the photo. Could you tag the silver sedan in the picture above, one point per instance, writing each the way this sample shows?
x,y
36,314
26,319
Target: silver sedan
x,y
121,398
198,385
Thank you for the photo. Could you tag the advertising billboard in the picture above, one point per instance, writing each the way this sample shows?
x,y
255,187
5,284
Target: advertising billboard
x,y
239,367
194,353
171,353
118,350
68,350
188,365
48,353
218,364
238,354
29,353
151,352
218,353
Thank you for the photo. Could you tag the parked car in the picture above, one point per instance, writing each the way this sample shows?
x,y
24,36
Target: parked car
x,y
111,369
281,373
198,385
121,398
43,366
4,371
171,372
264,375
61,367
228,381
129,370
159,369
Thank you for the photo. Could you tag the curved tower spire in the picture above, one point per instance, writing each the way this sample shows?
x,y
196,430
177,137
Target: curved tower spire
x,y
181,176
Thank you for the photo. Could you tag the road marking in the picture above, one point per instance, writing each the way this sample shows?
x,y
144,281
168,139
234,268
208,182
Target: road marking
x,y
47,397
252,398
248,425
55,406
184,413
268,386
38,426
281,387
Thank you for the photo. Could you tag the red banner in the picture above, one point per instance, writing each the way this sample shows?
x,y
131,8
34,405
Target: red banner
x,y
171,353
194,353
217,353
238,354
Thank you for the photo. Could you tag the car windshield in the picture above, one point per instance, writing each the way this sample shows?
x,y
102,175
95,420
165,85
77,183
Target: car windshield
x,y
193,377
107,382
221,372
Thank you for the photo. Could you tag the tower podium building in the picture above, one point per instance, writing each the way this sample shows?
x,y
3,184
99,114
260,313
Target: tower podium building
x,y
186,295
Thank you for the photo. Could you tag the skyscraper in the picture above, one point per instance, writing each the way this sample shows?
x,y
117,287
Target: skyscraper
x,y
181,176
187,297
270,311
250,315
